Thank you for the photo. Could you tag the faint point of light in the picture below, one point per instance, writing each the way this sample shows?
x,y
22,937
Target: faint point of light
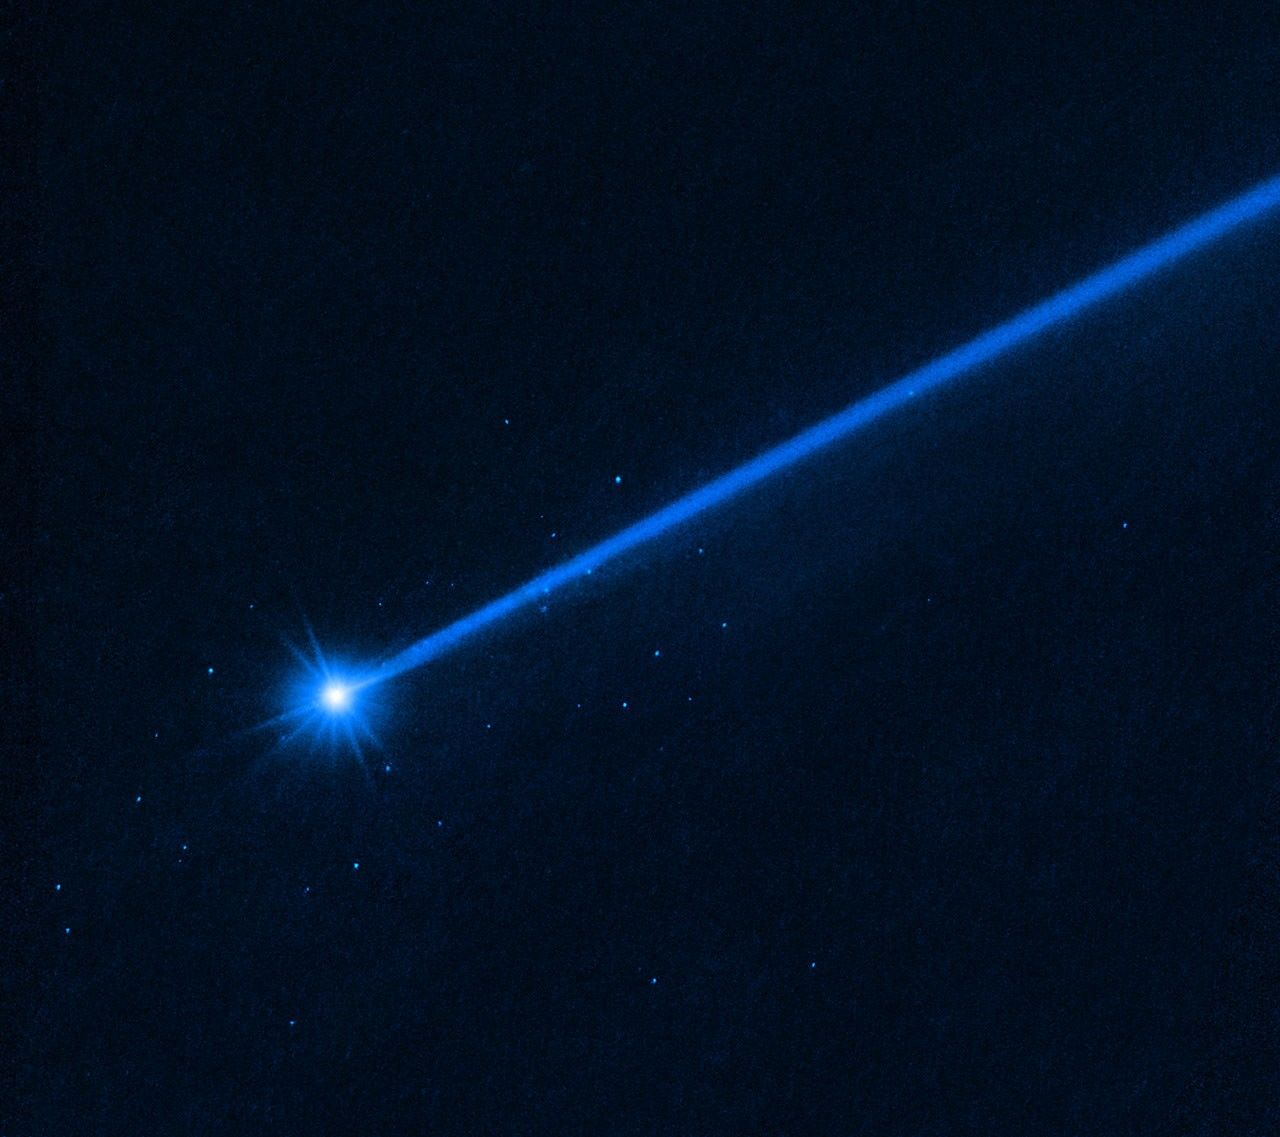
x,y
617,479
57,888
336,697
355,865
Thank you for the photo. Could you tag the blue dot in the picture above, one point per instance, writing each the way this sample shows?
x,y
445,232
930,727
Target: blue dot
x,y
211,671
355,865
617,479
57,888
653,982
657,653
66,931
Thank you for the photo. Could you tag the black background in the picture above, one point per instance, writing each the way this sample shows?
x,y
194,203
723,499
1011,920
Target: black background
x,y
950,803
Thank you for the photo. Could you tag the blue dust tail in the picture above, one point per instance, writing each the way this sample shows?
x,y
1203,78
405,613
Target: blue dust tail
x,y
990,345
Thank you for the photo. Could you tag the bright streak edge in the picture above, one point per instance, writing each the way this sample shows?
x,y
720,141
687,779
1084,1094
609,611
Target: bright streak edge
x,y
990,345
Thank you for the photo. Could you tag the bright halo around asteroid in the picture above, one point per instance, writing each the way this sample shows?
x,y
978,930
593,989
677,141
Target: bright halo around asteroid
x,y
328,706
336,697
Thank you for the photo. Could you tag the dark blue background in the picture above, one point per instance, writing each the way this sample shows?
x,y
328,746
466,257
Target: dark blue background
x,y
964,823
